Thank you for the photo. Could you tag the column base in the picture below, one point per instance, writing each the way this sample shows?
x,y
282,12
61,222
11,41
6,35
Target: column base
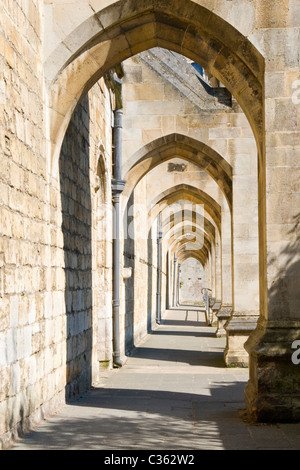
x,y
222,318
273,390
238,329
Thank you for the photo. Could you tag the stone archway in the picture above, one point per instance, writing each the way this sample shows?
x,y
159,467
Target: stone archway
x,y
164,149
189,193
123,29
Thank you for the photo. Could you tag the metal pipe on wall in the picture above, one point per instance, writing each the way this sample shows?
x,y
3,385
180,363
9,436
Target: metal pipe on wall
x,y
159,269
168,299
174,281
117,189
178,284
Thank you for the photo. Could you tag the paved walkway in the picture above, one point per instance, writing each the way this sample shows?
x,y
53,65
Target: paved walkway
x,y
173,393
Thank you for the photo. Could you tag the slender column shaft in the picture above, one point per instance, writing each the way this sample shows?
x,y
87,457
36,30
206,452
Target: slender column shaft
x,y
117,188
159,267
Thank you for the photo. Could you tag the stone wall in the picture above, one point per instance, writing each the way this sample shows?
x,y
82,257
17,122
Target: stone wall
x,y
24,228
192,280
55,241
47,230
87,253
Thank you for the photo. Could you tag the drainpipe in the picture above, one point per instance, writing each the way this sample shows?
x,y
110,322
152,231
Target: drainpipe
x,y
174,280
168,303
178,283
117,189
159,268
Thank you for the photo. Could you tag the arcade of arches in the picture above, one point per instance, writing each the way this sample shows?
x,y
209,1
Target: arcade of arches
x,y
149,156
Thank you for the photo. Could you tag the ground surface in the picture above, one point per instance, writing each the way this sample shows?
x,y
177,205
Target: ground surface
x,y
173,393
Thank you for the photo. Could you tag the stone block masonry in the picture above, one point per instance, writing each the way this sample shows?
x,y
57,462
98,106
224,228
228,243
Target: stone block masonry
x,y
24,227
56,166
46,229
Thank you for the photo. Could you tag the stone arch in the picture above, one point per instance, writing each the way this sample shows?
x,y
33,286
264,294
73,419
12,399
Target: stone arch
x,y
183,235
187,148
206,227
190,254
170,221
183,254
126,28
189,193
184,244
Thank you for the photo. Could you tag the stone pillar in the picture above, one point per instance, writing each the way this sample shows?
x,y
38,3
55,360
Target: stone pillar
x,y
213,271
218,281
208,272
273,391
218,267
226,272
245,312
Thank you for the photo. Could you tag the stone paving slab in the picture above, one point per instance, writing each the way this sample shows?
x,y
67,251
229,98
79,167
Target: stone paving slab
x,y
173,393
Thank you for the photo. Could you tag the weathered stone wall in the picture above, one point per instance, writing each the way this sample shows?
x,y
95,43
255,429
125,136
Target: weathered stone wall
x,y
24,216
102,217
46,234
192,280
55,265
87,253
75,188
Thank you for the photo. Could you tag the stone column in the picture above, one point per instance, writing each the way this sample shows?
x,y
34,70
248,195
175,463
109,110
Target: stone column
x,y
213,271
207,270
218,267
218,281
226,270
273,391
245,254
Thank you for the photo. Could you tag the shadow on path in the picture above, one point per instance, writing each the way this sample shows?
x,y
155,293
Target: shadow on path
x,y
160,400
191,357
141,419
